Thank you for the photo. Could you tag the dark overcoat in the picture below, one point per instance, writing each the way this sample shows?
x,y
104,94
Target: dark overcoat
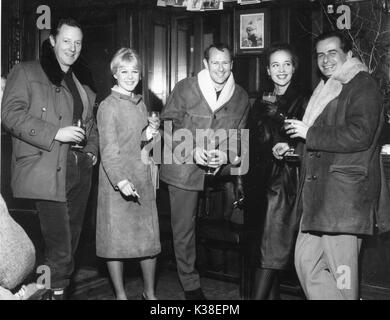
x,y
36,104
341,173
271,185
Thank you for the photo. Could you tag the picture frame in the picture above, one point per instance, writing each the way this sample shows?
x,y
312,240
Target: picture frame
x,y
244,2
251,31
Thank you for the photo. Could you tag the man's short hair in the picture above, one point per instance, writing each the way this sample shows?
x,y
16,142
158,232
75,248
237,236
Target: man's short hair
x,y
64,21
282,46
218,46
122,56
345,43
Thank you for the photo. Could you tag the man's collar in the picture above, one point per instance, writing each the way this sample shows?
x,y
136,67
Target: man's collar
x,y
52,68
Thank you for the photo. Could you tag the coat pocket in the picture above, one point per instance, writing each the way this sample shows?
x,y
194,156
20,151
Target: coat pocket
x,y
193,121
347,188
348,173
28,158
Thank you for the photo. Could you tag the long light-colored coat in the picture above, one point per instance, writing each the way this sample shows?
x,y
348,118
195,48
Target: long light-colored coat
x,y
125,228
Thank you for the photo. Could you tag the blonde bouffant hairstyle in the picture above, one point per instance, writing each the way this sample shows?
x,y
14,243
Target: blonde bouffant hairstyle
x,y
124,55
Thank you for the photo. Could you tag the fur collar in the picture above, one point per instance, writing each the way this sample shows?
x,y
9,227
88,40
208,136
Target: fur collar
x,y
207,88
53,70
326,92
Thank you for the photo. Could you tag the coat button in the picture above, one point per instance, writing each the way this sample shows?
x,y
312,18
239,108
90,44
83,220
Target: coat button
x,y
58,168
32,132
318,155
60,118
58,89
308,178
314,177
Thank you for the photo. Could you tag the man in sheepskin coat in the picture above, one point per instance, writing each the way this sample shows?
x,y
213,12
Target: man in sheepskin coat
x,y
198,108
340,180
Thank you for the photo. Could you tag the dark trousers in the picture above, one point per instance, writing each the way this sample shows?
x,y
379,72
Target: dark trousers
x,y
183,214
61,222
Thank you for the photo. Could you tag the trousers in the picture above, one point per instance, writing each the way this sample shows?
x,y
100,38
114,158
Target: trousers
x,y
183,214
61,222
327,265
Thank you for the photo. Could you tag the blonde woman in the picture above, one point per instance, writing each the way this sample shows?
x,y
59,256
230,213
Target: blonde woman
x,y
127,224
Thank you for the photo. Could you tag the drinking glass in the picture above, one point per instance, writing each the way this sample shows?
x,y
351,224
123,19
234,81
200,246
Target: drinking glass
x,y
290,155
154,119
154,114
269,96
81,124
211,146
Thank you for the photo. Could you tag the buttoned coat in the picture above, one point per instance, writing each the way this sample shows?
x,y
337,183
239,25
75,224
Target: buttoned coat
x,y
271,185
126,227
341,178
36,104
188,109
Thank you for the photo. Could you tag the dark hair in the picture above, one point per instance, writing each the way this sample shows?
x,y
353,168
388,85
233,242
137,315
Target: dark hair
x,y
218,46
345,43
282,46
67,21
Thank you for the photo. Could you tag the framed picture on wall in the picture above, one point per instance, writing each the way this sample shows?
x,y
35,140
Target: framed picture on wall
x,y
251,31
242,2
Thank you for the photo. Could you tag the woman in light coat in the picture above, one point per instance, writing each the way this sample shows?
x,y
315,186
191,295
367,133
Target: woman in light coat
x,y
127,223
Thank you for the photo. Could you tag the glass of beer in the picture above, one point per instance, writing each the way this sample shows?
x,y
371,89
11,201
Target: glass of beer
x,y
81,124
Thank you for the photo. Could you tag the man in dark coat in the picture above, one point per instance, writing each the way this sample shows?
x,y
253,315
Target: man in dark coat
x,y
340,182
42,101
212,104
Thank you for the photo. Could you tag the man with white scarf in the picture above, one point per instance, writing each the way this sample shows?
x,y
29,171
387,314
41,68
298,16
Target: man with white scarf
x,y
204,107
340,181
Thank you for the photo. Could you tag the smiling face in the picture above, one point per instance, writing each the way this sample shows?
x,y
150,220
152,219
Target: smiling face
x,y
330,56
128,75
281,69
67,45
220,67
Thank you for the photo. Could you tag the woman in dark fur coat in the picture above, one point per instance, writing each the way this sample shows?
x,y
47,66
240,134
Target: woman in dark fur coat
x,y
271,184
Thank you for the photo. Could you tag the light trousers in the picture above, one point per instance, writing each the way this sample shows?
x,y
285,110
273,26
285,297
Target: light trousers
x,y
327,266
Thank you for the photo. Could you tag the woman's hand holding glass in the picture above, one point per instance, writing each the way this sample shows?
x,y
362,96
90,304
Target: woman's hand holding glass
x,y
154,123
280,149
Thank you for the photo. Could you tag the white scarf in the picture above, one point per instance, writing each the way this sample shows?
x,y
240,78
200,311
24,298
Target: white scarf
x,y
326,92
207,88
